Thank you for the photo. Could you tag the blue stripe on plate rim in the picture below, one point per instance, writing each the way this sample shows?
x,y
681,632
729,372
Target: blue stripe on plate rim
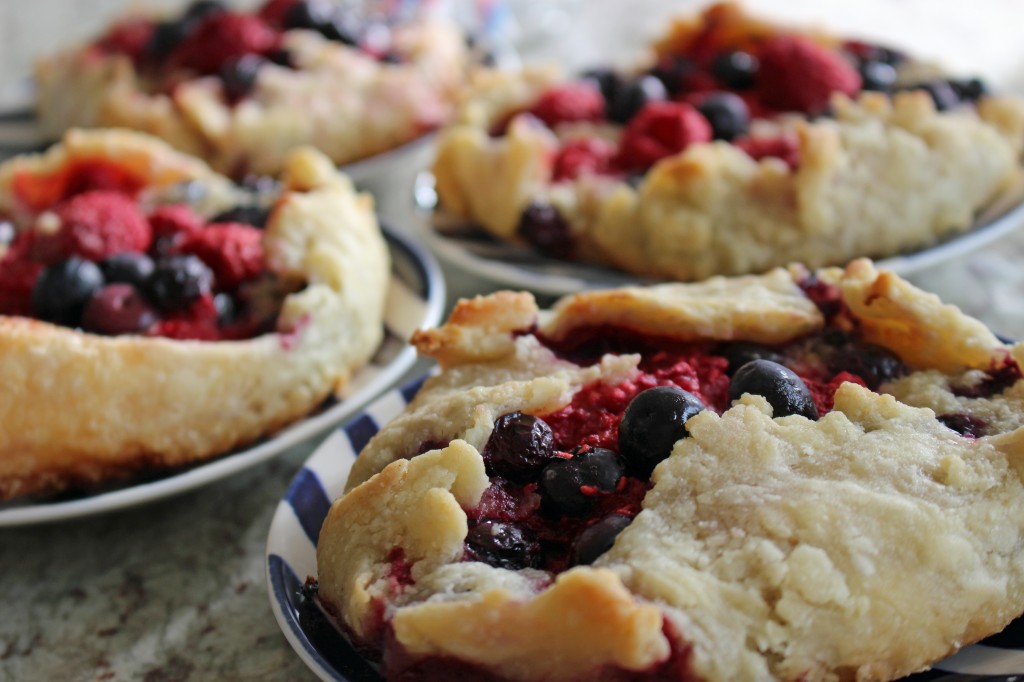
x,y
416,298
291,555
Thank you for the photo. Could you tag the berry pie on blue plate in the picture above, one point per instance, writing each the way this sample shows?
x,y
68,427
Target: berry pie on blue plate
x,y
741,146
240,89
795,476
153,314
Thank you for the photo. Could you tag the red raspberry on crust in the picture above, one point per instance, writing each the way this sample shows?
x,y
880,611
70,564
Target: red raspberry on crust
x,y
221,37
570,102
198,322
94,225
585,154
128,37
232,250
785,147
797,74
18,276
175,219
661,129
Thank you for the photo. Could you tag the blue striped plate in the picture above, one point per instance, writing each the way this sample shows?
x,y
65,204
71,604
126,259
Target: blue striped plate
x,y
291,558
415,299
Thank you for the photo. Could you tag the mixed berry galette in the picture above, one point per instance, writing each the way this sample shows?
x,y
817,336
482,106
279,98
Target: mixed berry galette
x,y
793,476
153,314
741,146
240,89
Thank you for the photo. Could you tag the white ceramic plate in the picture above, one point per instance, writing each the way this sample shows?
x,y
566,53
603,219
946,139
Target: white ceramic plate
x,y
291,557
475,251
415,299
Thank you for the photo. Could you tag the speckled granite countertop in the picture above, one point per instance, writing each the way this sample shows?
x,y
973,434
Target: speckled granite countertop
x,y
175,591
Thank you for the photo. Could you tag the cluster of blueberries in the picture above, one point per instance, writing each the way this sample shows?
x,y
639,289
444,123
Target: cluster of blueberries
x,y
521,449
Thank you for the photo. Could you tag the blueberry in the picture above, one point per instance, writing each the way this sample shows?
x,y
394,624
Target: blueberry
x,y
598,538
130,268
544,228
178,281
607,81
249,215
673,72
281,57
166,36
780,386
874,364
737,70
63,289
964,424
739,353
239,76
568,486
652,423
118,309
727,113
519,447
226,307
877,76
633,96
969,90
941,92
502,545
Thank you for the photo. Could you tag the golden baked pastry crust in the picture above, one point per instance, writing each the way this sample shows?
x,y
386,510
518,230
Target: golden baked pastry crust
x,y
79,409
864,545
881,176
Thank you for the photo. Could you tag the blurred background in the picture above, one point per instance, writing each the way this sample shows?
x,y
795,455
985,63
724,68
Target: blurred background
x,y
978,37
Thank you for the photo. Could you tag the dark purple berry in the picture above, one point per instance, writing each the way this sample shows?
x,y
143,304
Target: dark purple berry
x,y
544,228
607,81
874,364
878,76
129,268
737,70
969,90
739,353
62,290
598,538
673,73
239,76
178,281
727,113
941,92
281,57
166,36
118,309
568,487
652,423
519,447
632,97
502,545
964,424
779,385
248,215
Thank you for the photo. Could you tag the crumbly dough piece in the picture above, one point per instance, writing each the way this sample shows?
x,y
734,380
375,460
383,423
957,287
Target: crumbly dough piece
x,y
336,99
865,545
78,408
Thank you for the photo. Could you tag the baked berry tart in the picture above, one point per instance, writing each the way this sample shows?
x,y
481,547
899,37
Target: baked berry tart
x,y
154,315
740,146
797,475
240,89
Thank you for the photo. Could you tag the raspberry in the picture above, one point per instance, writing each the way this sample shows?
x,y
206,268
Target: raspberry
x,y
273,11
585,154
785,147
233,251
128,37
18,276
661,129
198,322
94,225
570,102
221,37
799,75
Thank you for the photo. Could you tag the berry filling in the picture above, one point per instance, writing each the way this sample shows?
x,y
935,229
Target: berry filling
x,y
86,252
208,39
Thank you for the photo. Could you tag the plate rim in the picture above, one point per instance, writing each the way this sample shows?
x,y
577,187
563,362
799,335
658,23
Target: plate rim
x,y
997,220
972,662
429,271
